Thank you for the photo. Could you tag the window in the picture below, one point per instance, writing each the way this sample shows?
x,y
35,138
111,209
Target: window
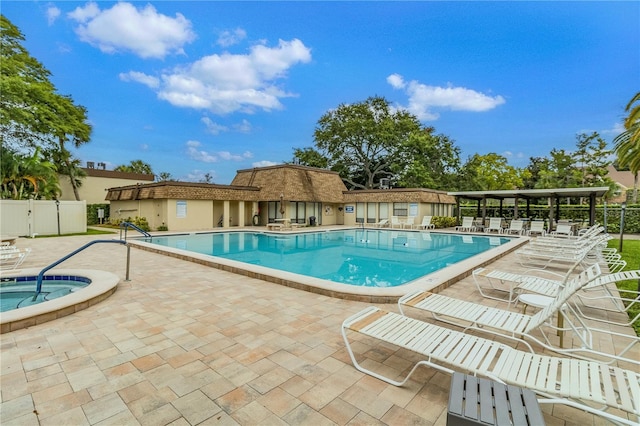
x,y
383,211
371,212
359,212
400,209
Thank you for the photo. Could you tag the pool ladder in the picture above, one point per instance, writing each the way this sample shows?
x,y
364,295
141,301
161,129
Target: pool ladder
x,y
59,261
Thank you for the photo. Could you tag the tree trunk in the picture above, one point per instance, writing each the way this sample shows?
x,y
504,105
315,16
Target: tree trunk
x,y
635,188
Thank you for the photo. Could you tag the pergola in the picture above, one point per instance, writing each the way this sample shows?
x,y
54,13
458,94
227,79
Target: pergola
x,y
554,195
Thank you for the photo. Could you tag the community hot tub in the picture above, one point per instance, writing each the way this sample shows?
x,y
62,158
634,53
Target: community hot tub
x,y
101,285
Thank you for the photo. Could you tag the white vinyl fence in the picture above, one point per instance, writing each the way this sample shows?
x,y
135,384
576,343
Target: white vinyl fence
x,y
43,217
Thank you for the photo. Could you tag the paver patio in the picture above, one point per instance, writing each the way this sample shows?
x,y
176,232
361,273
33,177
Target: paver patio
x,y
184,344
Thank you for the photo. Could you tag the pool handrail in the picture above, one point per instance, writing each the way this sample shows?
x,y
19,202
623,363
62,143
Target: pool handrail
x,y
125,225
73,253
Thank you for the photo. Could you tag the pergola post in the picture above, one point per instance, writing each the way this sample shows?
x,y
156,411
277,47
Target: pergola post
x,y
551,214
592,209
515,207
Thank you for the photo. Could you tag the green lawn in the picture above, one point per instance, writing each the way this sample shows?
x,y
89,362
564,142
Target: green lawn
x,y
631,254
90,231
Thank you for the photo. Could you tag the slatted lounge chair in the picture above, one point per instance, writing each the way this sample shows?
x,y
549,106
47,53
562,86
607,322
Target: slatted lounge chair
x,y
546,255
562,230
382,223
495,224
11,257
536,228
426,223
523,327
515,227
572,382
395,222
517,284
589,294
467,225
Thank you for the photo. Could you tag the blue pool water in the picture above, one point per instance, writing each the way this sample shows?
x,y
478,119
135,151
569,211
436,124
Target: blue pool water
x,y
18,292
372,258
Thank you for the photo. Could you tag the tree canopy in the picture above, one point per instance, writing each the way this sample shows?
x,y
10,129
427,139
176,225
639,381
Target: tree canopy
x,y
370,140
32,113
135,166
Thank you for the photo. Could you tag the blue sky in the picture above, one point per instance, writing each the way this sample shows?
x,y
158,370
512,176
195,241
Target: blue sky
x,y
195,87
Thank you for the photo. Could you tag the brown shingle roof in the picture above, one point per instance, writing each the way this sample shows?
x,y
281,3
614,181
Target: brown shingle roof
x,y
295,183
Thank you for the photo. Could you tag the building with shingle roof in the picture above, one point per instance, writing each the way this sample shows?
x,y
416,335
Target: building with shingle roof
x,y
263,195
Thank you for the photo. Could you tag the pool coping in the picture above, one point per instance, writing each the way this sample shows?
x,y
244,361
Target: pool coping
x,y
103,284
434,282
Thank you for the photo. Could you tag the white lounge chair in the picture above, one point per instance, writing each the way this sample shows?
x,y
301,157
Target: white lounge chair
x,y
562,230
382,223
515,227
395,222
11,256
547,254
523,327
589,293
556,380
426,223
495,224
536,228
467,225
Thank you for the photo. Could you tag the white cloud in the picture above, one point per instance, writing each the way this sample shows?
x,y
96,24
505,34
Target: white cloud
x,y
195,153
264,163
139,77
614,131
229,38
213,128
243,127
227,83
423,99
53,13
225,155
144,31
199,175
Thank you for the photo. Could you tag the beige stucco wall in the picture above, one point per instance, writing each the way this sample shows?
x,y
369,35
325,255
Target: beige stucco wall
x,y
93,189
420,210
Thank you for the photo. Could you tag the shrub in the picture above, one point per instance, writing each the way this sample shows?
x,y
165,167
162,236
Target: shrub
x,y
443,221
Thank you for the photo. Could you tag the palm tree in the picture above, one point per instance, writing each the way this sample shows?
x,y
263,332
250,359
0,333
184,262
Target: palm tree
x,y
627,144
25,176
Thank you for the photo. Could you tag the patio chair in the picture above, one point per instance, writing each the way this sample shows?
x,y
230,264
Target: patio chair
x,y
522,327
395,222
426,223
467,225
11,257
515,227
495,224
409,223
537,228
556,380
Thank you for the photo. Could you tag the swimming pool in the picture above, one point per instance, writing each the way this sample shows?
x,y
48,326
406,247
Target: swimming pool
x,y
19,292
358,257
